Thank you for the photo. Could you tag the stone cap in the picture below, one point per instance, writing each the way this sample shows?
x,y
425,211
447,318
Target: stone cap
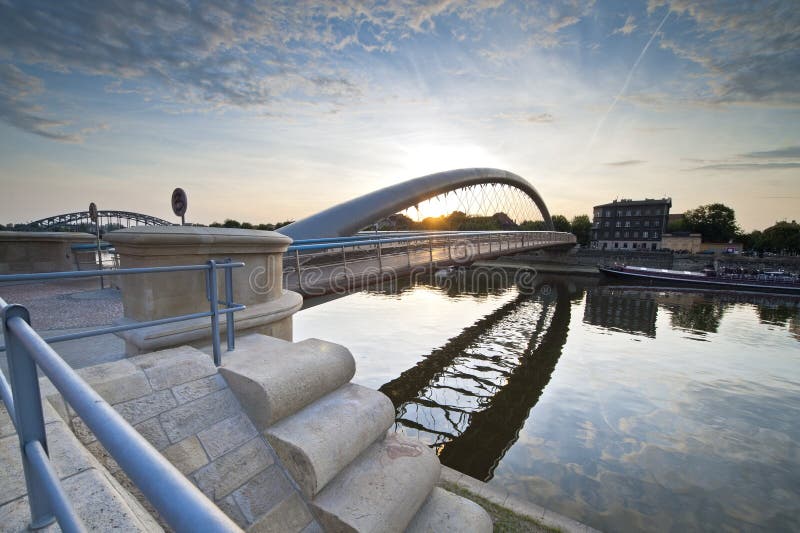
x,y
202,238
15,236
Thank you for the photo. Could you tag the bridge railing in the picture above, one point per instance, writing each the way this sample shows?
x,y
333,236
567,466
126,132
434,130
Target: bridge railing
x,y
211,269
178,501
399,252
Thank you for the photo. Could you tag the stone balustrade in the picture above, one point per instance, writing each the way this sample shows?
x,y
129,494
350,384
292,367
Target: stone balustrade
x,y
258,285
27,252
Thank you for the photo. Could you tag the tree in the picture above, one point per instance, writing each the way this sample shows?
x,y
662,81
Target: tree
x,y
533,225
231,223
582,228
716,222
783,237
677,225
560,223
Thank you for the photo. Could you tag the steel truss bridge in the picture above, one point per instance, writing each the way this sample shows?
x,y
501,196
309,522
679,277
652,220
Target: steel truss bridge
x,y
80,221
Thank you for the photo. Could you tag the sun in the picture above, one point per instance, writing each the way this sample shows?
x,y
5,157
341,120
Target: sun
x,y
423,159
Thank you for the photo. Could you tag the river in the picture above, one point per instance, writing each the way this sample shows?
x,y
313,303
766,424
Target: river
x,y
626,409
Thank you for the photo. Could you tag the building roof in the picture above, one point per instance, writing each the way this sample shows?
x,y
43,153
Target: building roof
x,y
646,201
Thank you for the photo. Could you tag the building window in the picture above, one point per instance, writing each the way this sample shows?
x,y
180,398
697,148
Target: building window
x,y
598,213
655,235
627,223
606,224
635,234
608,213
628,213
616,235
657,211
637,223
638,212
627,234
646,223
646,211
624,244
605,234
619,224
616,245
644,234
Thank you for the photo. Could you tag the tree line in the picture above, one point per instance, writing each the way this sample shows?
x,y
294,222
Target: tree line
x,y
231,223
717,223
460,221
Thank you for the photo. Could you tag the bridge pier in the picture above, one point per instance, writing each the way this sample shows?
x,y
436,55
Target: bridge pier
x,y
153,296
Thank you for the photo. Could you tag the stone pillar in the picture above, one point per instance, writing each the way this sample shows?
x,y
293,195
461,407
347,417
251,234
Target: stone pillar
x,y
258,284
27,252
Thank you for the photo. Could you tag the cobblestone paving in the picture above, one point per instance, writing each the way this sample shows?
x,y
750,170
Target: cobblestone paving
x,y
64,304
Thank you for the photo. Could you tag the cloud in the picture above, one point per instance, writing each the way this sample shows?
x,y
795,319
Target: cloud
x,y
750,52
626,163
747,166
529,118
15,88
627,28
789,152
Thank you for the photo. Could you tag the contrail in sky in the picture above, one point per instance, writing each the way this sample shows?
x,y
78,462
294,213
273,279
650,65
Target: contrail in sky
x,y
627,80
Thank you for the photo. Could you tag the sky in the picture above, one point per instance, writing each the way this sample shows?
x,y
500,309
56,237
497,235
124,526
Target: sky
x,y
267,111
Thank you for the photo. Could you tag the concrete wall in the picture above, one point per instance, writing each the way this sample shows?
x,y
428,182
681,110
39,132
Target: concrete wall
x,y
26,252
653,259
691,243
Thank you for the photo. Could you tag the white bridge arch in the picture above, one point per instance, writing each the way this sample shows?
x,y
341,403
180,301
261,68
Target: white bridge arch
x,y
349,217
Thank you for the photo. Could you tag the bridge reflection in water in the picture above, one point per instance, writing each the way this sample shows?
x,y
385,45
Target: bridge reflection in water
x,y
470,398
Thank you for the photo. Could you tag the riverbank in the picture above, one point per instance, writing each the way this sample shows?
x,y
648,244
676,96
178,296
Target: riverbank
x,y
61,306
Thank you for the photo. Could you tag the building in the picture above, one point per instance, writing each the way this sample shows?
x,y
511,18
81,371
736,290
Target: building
x,y
682,241
630,224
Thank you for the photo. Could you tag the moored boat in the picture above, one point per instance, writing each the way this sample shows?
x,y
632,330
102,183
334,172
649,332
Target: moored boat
x,y
775,281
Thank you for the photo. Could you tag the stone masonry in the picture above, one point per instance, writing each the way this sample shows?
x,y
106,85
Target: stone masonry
x,y
176,399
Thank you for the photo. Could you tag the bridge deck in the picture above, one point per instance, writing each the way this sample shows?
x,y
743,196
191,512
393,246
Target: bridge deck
x,y
335,270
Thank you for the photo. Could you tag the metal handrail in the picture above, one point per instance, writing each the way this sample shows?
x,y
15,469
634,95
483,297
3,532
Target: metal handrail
x,y
211,293
368,249
178,501
182,505
348,242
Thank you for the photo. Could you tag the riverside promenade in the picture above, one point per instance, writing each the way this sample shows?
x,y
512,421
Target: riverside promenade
x,y
65,306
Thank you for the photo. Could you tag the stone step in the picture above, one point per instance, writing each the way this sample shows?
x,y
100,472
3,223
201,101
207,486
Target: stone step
x,y
273,378
445,512
320,440
381,490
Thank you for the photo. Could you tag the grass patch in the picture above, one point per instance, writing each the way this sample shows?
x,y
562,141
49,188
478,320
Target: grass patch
x,y
504,520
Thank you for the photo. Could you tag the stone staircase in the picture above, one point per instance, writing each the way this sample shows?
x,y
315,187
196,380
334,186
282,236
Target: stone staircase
x,y
334,439
278,438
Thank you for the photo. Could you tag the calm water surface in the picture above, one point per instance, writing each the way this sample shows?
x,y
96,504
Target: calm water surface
x,y
625,409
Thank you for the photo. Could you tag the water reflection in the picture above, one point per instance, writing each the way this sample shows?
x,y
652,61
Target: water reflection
x,y
618,419
618,309
470,397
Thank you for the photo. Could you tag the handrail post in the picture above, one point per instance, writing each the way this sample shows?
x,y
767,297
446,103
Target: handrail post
x,y
214,296
380,261
344,261
408,253
229,330
449,249
430,249
30,419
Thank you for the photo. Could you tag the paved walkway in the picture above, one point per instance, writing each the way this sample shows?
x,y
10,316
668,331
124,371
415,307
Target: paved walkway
x,y
331,272
66,306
